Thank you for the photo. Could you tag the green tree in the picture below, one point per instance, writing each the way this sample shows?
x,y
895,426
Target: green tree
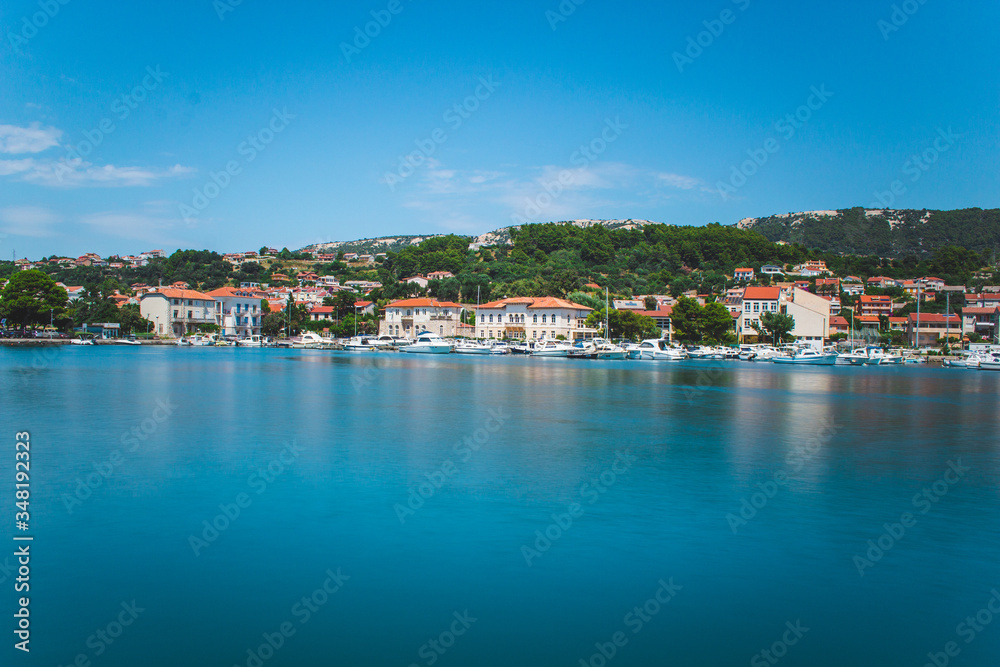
x,y
272,324
686,319
775,327
650,302
717,324
32,297
131,319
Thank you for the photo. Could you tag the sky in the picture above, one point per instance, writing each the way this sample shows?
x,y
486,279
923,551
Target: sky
x,y
228,124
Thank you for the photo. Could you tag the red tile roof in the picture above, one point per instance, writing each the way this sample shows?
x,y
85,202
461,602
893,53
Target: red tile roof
x,y
935,318
171,293
761,294
423,303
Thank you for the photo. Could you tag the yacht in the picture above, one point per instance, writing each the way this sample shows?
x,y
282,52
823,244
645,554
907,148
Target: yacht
x,y
605,349
551,348
309,341
808,356
858,357
990,363
968,360
704,353
184,342
473,347
884,357
632,351
251,341
84,339
362,344
428,343
499,348
659,349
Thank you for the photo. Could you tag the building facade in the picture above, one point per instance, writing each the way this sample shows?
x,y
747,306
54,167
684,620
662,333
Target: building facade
x,y
409,317
533,318
177,312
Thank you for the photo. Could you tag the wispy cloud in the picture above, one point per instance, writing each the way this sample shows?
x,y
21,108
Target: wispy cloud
x,y
78,173
549,192
32,221
32,139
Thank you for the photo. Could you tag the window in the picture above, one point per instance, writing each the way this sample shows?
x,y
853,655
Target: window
x,y
543,319
746,306
491,318
756,307
189,314
175,314
535,319
482,318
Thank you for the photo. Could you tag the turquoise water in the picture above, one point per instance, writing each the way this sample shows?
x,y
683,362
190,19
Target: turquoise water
x,y
638,472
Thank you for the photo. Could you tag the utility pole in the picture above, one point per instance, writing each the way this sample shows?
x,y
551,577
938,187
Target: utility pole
x,y
916,338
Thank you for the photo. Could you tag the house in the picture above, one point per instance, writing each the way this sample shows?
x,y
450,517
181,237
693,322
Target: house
x,y
416,280
834,303
440,275
324,313
909,286
350,256
364,307
363,286
306,277
882,282
981,320
932,327
932,283
280,278
867,326
628,304
176,312
810,312
733,301
869,305
839,325
662,319
828,286
812,268
75,291
897,324
238,310
409,317
772,270
743,275
982,300
534,318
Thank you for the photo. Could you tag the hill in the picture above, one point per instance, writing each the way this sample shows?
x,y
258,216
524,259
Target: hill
x,y
886,233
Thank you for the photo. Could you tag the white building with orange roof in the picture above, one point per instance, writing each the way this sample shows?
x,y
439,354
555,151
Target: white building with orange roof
x,y
409,317
534,318
177,312
237,310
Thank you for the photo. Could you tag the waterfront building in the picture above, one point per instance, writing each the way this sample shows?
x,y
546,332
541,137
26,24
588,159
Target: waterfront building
x,y
932,327
237,310
869,305
408,317
534,318
177,312
743,275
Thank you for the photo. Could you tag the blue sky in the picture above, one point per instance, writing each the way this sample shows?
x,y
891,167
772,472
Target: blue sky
x,y
230,126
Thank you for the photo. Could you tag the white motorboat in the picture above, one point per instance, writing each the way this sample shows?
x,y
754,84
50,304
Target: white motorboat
x,y
990,363
703,353
428,343
659,349
605,349
473,347
808,356
968,360
857,357
361,344
632,351
251,341
499,348
127,341
884,357
184,342
309,341
551,348
82,340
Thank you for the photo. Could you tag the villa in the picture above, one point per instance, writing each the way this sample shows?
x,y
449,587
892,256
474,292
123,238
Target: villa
x,y
534,318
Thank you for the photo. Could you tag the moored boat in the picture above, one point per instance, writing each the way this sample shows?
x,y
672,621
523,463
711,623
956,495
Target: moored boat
x,y
660,349
428,343
808,356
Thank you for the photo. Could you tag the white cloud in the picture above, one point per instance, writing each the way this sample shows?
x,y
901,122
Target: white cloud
x,y
133,226
28,220
31,139
678,181
78,173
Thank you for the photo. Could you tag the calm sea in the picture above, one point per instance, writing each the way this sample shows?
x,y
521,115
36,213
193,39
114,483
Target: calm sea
x,y
267,507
